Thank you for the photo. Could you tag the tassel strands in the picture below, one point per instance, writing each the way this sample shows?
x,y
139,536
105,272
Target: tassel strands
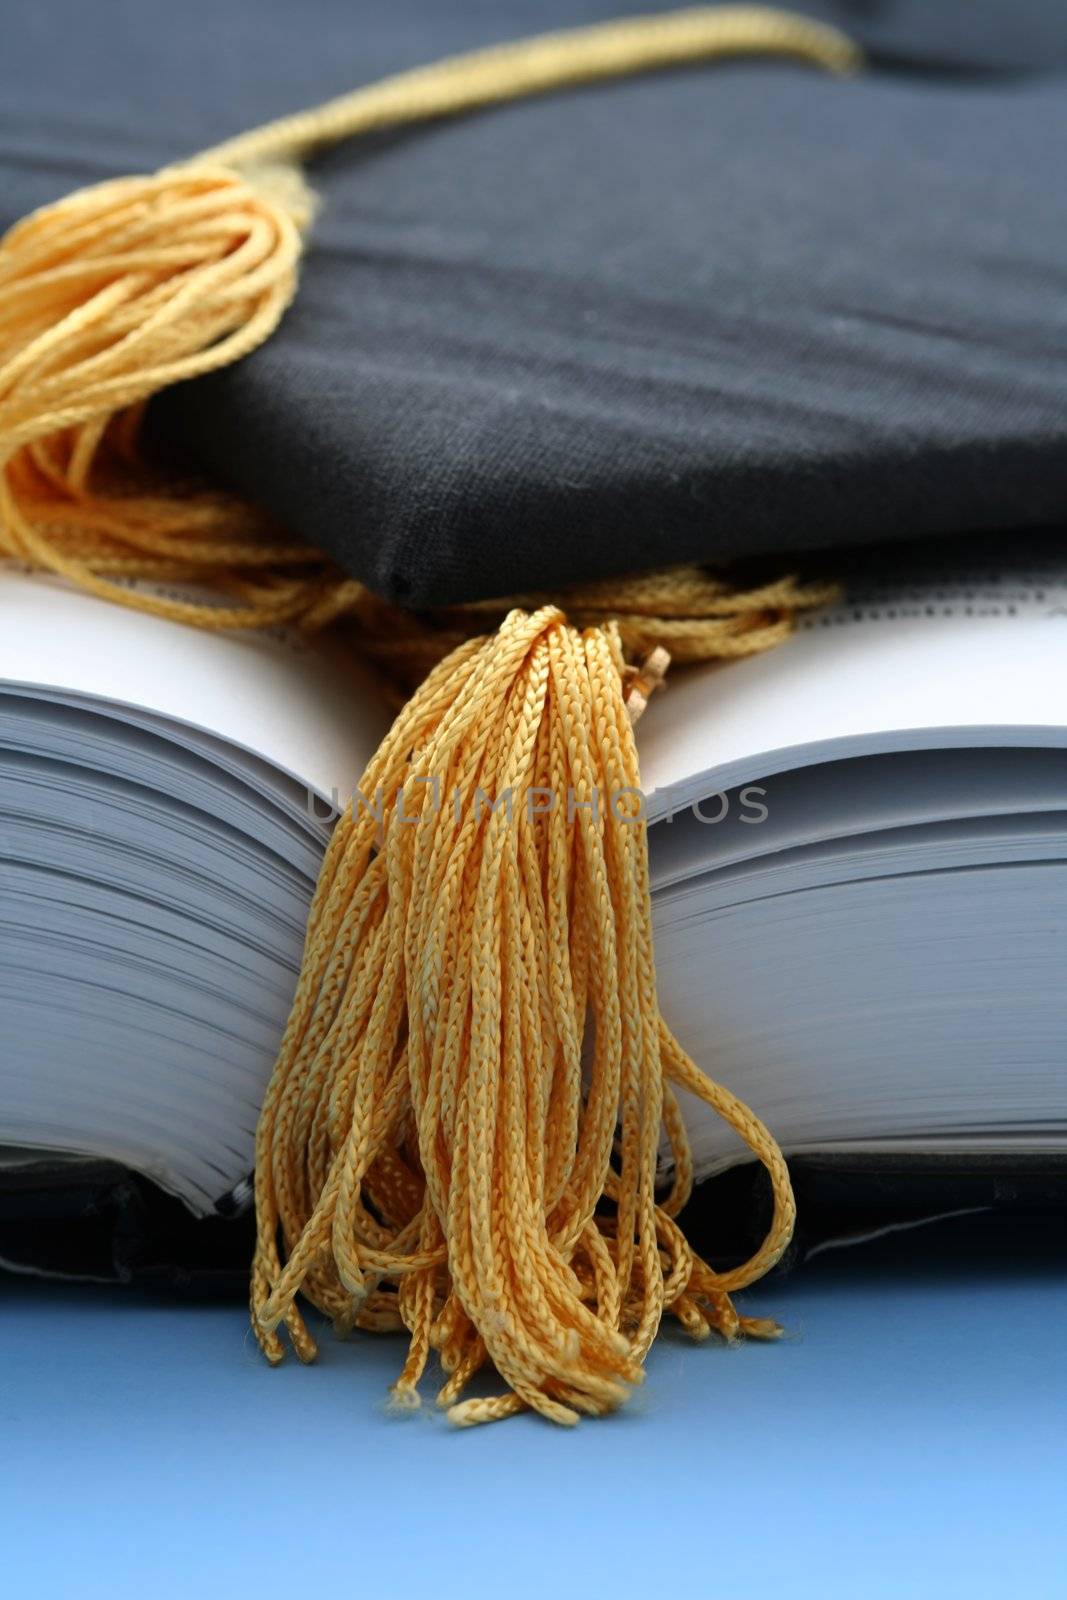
x,y
106,298
432,1150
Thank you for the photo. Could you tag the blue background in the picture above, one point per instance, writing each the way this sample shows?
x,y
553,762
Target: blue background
x,y
908,1438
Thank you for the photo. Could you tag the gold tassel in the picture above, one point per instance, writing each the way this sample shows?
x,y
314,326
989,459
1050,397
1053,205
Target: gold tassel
x,y
428,1147
432,1152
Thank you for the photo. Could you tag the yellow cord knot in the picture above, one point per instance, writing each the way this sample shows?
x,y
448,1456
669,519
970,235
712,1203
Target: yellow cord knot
x,y
106,298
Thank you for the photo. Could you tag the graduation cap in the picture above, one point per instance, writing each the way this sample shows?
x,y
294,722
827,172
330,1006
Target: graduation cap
x,y
659,324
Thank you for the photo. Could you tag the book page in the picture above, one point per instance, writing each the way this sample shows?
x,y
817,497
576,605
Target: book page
x,y
841,800
902,665
308,707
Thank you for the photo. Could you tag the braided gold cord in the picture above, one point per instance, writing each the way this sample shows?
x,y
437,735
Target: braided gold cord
x,y
428,1149
547,63
694,614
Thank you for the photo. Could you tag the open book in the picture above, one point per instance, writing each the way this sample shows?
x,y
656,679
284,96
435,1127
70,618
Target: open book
x,y
858,846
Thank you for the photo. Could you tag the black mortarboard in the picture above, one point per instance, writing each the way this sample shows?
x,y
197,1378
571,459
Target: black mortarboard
x,y
673,318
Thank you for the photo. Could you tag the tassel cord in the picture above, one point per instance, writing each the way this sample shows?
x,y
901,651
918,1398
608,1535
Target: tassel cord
x,y
462,916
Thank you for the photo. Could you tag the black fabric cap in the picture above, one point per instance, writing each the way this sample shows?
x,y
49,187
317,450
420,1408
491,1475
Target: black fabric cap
x,y
734,310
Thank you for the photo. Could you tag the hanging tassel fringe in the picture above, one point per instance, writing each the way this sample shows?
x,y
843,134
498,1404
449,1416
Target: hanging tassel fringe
x,y
431,1148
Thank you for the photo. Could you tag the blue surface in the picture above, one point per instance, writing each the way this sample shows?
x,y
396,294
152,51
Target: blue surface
x,y
908,1439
